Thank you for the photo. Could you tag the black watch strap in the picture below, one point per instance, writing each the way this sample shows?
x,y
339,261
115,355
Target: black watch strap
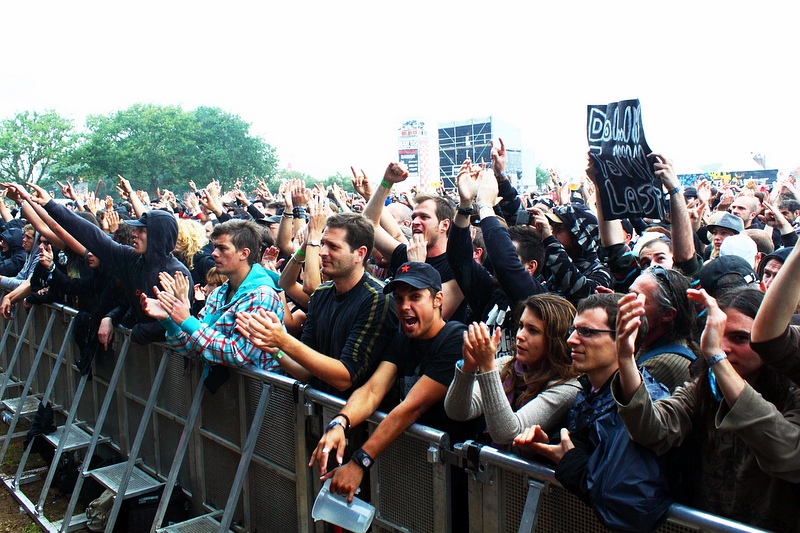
x,y
362,459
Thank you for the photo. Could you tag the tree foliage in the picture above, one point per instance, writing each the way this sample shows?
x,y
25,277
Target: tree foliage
x,y
165,147
32,143
542,177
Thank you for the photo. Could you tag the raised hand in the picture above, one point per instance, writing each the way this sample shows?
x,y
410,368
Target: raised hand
x,y
361,184
480,347
395,173
467,182
417,248
499,157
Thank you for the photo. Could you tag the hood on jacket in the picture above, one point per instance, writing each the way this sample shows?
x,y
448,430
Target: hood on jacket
x,y
162,234
13,236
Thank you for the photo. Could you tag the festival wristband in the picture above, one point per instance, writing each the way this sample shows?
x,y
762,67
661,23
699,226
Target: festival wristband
x,y
386,184
714,359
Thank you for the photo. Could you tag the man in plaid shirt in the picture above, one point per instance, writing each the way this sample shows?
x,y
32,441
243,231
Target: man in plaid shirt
x,y
249,289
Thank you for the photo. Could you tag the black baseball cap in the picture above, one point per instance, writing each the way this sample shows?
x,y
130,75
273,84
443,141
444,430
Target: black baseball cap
x,y
726,272
417,275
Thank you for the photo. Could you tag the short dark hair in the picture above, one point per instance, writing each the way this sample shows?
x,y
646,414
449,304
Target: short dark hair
x,y
243,234
358,231
606,301
530,245
788,203
444,207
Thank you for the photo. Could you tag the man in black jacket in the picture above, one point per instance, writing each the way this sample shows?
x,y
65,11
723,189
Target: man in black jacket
x,y
137,266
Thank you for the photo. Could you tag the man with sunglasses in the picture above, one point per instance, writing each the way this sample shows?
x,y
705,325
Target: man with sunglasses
x,y
589,457
667,349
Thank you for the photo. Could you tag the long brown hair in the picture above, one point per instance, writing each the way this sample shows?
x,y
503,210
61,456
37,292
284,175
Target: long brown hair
x,y
557,313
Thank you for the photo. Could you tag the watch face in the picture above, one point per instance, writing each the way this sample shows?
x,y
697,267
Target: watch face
x,y
363,459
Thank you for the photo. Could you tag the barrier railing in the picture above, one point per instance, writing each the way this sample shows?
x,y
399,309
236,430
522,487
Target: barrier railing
x,y
410,485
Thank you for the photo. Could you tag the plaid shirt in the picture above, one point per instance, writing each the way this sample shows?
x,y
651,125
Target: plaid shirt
x,y
216,340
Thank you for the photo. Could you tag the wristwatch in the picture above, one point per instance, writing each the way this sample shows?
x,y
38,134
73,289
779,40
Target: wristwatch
x,y
362,459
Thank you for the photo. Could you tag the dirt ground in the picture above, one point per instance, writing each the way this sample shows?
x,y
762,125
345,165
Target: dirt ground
x,y
13,518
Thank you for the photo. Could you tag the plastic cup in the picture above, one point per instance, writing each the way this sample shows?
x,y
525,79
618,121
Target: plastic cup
x,y
334,509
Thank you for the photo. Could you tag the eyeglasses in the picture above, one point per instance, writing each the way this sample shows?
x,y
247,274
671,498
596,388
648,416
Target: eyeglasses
x,y
587,333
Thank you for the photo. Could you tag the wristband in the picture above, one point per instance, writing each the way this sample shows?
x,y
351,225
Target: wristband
x,y
386,184
278,355
287,215
301,253
299,212
333,424
466,211
714,359
51,267
481,206
346,419
500,176
674,191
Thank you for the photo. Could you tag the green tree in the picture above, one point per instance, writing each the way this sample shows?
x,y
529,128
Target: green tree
x,y
542,177
32,143
165,147
229,151
342,180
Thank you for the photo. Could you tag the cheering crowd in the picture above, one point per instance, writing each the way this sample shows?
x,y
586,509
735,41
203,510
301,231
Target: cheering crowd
x,y
647,361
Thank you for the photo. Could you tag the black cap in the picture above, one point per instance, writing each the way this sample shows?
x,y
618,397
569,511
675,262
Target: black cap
x,y
418,275
726,272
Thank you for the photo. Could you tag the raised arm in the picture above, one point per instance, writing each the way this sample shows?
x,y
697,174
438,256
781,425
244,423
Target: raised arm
x,y
681,223
385,241
779,303
126,190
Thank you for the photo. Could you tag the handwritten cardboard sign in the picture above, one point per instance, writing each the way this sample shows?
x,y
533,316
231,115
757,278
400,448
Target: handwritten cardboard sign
x,y
626,185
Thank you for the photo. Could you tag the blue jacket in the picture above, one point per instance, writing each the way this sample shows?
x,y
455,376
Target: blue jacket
x,y
622,481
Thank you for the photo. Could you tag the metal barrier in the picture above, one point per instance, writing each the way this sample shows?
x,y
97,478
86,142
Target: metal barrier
x,y
410,484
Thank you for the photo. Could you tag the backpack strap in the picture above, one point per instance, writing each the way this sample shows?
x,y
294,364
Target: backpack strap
x,y
679,349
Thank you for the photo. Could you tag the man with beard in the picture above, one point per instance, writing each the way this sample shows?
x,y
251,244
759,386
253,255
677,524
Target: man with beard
x,y
350,320
430,225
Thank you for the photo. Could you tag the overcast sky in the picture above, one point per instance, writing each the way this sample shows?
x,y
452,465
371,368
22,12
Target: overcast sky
x,y
329,83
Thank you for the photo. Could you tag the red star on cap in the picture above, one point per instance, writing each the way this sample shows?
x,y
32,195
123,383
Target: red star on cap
x,y
405,268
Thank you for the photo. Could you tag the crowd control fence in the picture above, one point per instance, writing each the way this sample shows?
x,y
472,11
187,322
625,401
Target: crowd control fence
x,y
241,453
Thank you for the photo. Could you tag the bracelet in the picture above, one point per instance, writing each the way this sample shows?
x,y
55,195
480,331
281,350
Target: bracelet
x,y
386,184
278,355
287,215
481,206
466,211
51,267
714,359
500,176
346,419
301,253
674,191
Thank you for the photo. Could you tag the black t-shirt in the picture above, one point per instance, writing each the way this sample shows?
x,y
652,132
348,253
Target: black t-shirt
x,y
354,327
440,263
435,358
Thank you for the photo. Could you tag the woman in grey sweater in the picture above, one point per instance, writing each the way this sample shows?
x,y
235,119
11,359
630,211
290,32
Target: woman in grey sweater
x,y
536,386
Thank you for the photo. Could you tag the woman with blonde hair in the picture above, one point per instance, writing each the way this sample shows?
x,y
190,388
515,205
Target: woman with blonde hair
x,y
191,250
536,386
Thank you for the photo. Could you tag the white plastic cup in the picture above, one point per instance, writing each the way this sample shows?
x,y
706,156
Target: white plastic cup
x,y
334,509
